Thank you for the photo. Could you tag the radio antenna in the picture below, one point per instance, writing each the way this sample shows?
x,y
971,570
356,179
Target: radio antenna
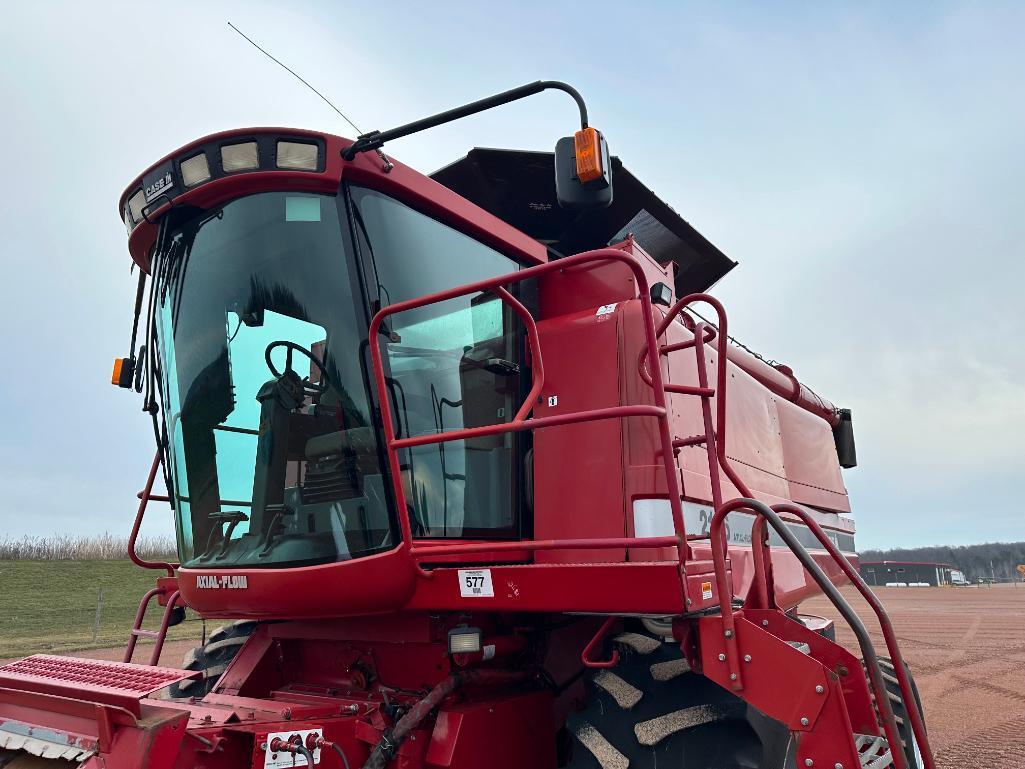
x,y
295,75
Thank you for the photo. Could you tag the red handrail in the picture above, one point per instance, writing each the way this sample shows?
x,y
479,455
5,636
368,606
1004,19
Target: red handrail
x,y
761,510
704,333
158,636
144,497
889,635
521,421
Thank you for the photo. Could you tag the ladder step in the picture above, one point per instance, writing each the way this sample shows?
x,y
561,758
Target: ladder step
x,y
873,751
704,392
694,440
147,633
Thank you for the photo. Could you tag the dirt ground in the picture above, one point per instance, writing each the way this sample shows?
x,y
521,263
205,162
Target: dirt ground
x,y
170,656
966,648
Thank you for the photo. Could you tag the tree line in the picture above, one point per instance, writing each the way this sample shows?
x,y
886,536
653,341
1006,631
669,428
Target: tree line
x,y
991,560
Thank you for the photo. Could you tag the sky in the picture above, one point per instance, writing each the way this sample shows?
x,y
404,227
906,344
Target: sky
x,y
863,162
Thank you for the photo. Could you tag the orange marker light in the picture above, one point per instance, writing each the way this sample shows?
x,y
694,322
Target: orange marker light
x,y
588,148
124,371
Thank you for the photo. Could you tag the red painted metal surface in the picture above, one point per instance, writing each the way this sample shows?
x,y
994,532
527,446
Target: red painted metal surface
x,y
115,683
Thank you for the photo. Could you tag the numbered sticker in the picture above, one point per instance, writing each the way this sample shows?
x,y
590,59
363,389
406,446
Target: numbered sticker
x,y
476,583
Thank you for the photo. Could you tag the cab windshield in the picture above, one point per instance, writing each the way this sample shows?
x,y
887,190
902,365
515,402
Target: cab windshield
x,y
262,360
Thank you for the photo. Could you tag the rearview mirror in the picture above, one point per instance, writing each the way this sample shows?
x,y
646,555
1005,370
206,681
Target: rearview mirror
x,y
572,193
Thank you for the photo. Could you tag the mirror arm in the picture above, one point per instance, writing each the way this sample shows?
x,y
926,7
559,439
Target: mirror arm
x,y
376,139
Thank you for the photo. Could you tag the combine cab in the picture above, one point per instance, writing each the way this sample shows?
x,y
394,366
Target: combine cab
x,y
470,482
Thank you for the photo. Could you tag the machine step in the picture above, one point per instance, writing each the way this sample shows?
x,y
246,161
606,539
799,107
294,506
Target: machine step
x,y
114,683
873,751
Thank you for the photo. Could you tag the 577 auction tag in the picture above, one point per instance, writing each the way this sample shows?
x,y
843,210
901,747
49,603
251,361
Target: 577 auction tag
x,y
476,583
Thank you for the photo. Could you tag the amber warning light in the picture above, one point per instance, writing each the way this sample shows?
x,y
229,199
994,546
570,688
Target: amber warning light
x,y
590,163
124,370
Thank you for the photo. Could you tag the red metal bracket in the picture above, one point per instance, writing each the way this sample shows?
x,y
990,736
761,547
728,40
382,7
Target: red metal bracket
x,y
585,655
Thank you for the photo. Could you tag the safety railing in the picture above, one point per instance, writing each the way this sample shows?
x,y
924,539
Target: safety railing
x,y
521,420
762,584
137,631
159,635
762,589
714,438
144,498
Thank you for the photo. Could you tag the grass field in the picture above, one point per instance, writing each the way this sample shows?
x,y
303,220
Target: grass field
x,y
51,606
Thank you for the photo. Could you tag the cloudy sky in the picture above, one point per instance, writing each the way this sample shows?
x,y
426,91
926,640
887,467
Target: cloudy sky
x,y
863,162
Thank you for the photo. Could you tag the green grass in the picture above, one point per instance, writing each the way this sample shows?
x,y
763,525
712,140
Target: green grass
x,y
50,606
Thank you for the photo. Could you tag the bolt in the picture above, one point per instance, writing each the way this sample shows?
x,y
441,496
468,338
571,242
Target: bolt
x,y
837,765
729,634
805,722
747,658
690,602
765,623
733,676
819,689
722,658
809,762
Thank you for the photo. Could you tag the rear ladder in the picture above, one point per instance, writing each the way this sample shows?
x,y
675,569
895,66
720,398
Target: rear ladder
x,y
801,683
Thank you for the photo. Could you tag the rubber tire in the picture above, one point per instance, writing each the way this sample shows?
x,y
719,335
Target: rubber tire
x,y
733,736
212,658
900,712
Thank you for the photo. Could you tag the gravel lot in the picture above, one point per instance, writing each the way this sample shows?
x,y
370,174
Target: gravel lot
x,y
966,647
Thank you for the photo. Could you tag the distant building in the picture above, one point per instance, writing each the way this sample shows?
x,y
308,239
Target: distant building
x,y
911,573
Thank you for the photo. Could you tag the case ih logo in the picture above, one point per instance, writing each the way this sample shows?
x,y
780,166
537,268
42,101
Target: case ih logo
x,y
222,582
165,182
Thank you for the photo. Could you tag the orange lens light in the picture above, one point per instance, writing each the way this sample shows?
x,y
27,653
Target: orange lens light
x,y
587,143
124,371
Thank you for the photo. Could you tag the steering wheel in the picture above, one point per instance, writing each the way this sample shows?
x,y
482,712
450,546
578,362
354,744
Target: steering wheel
x,y
311,388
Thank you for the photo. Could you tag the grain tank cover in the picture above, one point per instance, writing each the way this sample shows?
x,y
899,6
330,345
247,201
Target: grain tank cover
x,y
519,188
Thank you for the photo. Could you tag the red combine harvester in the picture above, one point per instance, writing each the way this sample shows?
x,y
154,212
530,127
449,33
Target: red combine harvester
x,y
468,502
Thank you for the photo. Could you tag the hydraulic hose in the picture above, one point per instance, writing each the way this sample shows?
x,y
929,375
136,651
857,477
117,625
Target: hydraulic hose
x,y
392,738
341,753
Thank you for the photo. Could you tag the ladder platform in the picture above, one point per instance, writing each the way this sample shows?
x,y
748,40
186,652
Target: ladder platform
x,y
115,683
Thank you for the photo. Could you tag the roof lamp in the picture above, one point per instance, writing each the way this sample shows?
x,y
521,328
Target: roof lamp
x,y
298,156
135,205
195,170
240,157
